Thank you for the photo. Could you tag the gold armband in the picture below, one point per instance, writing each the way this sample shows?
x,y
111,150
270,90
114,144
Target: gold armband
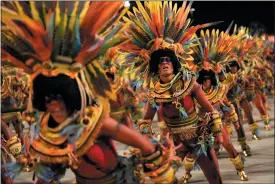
x,y
216,122
145,127
233,116
157,167
14,146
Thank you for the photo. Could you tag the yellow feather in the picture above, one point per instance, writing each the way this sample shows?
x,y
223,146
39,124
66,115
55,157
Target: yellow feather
x,y
207,33
83,12
35,13
65,22
175,8
91,69
9,14
45,13
73,16
57,14
143,12
19,8
185,15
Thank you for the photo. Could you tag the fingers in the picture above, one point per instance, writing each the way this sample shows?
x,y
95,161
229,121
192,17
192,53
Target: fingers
x,y
179,146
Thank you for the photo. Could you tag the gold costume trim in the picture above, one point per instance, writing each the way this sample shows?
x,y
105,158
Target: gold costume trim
x,y
215,95
7,116
47,146
181,88
178,122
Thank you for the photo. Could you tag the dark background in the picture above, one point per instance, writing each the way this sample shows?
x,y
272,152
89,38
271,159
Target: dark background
x,y
252,14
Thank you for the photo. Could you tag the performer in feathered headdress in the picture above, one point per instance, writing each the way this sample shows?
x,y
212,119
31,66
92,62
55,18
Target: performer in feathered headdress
x,y
258,73
161,41
60,48
236,79
209,59
126,99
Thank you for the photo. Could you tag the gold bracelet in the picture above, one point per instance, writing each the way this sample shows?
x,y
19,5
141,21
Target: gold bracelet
x,y
145,126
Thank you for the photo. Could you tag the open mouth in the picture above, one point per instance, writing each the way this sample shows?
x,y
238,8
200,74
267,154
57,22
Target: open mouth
x,y
165,68
110,75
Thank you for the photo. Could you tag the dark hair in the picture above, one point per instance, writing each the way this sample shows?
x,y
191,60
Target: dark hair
x,y
61,84
207,74
156,55
232,63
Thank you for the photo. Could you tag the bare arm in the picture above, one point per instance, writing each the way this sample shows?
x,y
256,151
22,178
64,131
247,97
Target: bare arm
x,y
121,133
149,111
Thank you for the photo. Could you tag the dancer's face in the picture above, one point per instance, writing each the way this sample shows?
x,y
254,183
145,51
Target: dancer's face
x,y
57,108
221,77
206,83
233,69
165,66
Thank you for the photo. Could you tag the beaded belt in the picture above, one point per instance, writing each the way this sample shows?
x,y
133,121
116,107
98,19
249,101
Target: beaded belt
x,y
178,122
185,129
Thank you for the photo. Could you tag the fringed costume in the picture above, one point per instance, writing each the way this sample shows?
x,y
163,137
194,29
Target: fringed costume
x,y
160,46
210,56
61,47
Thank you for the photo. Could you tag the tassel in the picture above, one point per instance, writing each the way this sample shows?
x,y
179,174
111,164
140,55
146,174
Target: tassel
x,y
137,84
203,148
13,169
73,132
34,129
211,141
257,132
226,109
154,105
243,159
183,113
196,167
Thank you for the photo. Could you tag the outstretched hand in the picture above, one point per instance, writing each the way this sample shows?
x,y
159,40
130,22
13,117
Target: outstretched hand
x,y
169,149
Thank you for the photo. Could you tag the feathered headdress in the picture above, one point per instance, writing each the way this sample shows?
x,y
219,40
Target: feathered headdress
x,y
214,49
54,41
245,46
158,25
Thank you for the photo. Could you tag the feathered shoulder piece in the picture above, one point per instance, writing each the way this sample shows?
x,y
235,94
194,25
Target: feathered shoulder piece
x,y
158,25
59,37
214,49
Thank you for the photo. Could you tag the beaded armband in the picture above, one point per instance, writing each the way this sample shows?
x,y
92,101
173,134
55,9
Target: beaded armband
x,y
145,126
14,146
216,123
157,167
233,116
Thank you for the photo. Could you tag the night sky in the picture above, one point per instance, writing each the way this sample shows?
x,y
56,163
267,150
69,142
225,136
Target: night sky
x,y
245,13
